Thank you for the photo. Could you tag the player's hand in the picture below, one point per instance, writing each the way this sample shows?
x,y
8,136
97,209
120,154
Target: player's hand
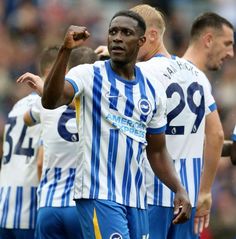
x,y
182,207
102,52
202,216
33,81
75,36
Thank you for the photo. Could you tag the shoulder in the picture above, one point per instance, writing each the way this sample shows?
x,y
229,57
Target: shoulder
x,y
27,101
161,62
85,69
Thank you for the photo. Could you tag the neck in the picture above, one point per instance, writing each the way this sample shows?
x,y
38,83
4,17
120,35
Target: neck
x,y
159,49
126,71
196,57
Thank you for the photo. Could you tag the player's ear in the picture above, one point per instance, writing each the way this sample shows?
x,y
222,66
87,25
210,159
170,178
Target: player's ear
x,y
207,39
152,35
142,40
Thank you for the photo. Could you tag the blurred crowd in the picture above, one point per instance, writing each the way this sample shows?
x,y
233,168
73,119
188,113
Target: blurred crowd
x,y
28,26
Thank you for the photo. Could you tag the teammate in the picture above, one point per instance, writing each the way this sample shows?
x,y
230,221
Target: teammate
x,y
191,110
18,175
118,106
214,35
57,215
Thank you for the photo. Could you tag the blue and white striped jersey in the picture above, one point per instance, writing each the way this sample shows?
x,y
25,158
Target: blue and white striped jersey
x,y
60,142
234,134
189,100
114,116
18,175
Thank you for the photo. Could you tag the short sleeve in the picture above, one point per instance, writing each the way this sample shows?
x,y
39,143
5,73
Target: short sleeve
x,y
35,111
79,76
210,104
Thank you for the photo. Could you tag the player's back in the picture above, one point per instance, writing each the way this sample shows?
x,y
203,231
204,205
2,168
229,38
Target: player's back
x,y
189,100
60,142
18,176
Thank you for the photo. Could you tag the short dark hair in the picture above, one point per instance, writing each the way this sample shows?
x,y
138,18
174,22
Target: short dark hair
x,y
135,16
208,19
82,55
47,58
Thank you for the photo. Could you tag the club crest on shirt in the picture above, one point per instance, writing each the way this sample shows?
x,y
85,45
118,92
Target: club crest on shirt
x,y
116,236
144,106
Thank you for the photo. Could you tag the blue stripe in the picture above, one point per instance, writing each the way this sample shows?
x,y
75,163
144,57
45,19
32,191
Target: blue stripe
x,y
52,187
172,194
5,208
153,94
183,173
1,192
138,176
111,163
126,184
197,175
213,107
195,179
18,207
142,89
43,181
114,92
156,130
74,85
33,207
129,107
155,186
68,187
160,190
32,117
145,200
96,133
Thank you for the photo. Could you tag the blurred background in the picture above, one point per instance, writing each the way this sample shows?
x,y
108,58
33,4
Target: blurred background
x,y
28,26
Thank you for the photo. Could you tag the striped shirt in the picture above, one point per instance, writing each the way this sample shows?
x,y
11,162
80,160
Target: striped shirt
x,y
189,100
114,116
60,139
18,175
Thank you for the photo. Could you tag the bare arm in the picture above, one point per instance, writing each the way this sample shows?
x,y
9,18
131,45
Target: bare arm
x,y
57,91
164,169
214,138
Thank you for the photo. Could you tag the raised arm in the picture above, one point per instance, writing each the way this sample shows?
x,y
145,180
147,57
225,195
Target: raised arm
x,y
57,91
214,138
164,169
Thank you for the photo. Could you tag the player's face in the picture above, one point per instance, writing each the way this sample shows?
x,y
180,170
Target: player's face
x,y
221,49
123,39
